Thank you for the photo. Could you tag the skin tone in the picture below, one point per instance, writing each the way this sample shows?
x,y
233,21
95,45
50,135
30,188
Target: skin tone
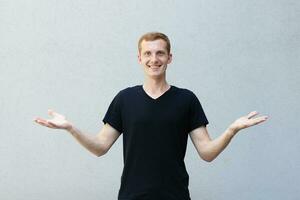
x,y
154,59
58,121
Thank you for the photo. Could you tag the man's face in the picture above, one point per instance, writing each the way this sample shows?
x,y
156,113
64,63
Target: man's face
x,y
154,57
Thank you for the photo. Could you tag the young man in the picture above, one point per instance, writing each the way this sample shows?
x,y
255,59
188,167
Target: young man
x,y
155,119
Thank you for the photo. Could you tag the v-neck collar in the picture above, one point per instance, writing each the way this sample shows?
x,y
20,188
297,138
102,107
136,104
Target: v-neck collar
x,y
158,98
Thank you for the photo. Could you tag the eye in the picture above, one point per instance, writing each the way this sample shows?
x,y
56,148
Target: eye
x,y
147,53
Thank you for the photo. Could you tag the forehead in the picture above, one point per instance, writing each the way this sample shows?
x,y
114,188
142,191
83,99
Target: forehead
x,y
154,45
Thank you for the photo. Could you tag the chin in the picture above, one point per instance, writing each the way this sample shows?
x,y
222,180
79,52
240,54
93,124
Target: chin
x,y
153,75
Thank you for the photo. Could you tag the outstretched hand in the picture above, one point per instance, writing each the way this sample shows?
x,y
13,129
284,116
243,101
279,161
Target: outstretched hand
x,y
58,121
247,121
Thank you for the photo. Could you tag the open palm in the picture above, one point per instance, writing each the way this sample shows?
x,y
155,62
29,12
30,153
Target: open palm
x,y
58,121
247,121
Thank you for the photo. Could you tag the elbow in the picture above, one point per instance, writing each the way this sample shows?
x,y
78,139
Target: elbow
x,y
207,154
100,152
207,158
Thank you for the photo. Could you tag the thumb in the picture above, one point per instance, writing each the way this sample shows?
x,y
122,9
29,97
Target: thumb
x,y
252,114
51,112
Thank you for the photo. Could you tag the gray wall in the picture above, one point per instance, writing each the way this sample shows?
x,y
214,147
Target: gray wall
x,y
74,56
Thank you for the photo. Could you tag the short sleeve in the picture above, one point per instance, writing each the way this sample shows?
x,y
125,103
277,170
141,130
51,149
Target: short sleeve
x,y
197,116
113,114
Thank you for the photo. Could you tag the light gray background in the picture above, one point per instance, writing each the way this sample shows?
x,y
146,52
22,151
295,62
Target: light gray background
x,y
74,56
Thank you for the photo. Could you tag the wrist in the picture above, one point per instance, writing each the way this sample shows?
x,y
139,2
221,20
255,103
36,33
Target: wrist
x,y
70,128
231,131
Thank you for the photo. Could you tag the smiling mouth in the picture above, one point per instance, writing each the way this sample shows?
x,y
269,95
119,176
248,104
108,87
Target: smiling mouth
x,y
154,66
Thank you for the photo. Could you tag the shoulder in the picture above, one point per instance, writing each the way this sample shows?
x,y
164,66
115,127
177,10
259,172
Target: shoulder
x,y
184,92
128,91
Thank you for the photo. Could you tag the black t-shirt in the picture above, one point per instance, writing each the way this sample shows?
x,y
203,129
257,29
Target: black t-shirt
x,y
155,133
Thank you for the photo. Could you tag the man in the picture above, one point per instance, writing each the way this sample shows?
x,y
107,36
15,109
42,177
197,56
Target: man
x,y
155,119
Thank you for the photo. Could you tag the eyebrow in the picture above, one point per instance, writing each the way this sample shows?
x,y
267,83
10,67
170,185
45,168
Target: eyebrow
x,y
159,51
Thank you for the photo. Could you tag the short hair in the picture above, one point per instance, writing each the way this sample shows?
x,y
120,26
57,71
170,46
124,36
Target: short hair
x,y
151,36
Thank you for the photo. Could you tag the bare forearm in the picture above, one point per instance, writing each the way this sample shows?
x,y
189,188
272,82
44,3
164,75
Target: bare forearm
x,y
210,149
90,142
214,147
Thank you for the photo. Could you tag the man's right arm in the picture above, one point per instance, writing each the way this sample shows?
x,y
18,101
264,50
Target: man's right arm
x,y
99,144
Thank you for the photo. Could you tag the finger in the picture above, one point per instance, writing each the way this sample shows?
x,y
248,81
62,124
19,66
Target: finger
x,y
38,119
35,119
262,118
53,113
259,120
252,114
45,124
52,124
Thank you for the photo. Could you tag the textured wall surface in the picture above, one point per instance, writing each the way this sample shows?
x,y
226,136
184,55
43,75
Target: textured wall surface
x,y
74,56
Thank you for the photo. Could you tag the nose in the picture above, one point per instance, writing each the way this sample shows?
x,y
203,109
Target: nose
x,y
153,59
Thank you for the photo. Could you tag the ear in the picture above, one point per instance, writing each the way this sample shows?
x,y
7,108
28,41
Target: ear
x,y
170,58
139,58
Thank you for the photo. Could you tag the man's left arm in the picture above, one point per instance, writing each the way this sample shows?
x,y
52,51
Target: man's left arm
x,y
209,149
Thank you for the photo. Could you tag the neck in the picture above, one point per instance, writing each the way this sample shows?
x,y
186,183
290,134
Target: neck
x,y
155,86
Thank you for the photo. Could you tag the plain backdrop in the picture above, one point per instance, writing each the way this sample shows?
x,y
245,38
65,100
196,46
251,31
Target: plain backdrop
x,y
74,56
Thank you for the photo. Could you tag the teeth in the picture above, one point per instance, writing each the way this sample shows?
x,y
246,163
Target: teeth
x,y
154,66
